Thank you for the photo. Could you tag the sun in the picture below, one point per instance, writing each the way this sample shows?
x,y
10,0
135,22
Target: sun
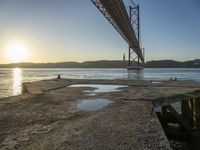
x,y
16,52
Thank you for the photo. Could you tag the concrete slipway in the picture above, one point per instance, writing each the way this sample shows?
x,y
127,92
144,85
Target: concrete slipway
x,y
46,115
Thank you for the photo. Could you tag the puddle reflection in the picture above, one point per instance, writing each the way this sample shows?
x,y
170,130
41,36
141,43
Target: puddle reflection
x,y
92,104
99,88
156,82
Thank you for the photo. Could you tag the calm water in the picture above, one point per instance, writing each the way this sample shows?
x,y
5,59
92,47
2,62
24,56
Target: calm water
x,y
11,79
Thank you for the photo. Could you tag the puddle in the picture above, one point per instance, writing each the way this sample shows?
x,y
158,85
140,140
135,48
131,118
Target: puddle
x,y
99,88
156,82
92,104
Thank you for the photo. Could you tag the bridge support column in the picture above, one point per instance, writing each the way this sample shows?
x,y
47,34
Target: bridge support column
x,y
129,56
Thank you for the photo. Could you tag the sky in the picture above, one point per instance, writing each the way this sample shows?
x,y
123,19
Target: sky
x,y
74,30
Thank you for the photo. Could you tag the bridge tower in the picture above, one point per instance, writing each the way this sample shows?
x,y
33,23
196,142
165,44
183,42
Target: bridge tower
x,y
134,16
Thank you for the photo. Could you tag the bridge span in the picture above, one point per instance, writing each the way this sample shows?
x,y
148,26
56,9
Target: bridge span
x,y
127,23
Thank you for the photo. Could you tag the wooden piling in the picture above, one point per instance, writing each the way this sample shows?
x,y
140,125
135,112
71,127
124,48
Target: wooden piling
x,y
187,112
191,106
164,116
196,111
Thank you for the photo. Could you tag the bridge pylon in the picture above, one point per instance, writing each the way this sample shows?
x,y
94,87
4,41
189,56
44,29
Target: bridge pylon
x,y
134,62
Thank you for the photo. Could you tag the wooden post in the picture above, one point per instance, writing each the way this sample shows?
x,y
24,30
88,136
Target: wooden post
x,y
196,106
186,112
164,116
59,76
184,124
191,105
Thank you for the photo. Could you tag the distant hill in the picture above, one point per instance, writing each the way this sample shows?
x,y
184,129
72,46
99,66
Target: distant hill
x,y
173,64
87,64
107,64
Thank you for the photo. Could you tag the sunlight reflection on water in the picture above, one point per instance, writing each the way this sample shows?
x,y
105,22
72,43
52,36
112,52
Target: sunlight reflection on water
x,y
11,78
17,81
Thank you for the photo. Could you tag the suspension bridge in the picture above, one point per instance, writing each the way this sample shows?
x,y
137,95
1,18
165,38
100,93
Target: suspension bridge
x,y
127,23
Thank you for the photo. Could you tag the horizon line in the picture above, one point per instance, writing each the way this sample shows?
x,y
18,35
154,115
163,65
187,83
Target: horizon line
x,y
92,61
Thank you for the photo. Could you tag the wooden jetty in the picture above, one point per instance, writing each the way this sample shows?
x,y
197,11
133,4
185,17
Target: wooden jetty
x,y
45,116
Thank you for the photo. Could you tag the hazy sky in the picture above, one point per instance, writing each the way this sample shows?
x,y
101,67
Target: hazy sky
x,y
74,30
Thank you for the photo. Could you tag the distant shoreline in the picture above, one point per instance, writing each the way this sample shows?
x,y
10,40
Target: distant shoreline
x,y
107,64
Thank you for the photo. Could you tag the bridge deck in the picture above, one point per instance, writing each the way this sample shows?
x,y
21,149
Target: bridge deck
x,y
45,116
116,14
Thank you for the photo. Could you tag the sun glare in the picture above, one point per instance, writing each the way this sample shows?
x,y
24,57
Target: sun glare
x,y
16,52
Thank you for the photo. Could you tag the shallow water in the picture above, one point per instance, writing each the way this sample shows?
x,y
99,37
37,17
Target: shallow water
x,y
92,104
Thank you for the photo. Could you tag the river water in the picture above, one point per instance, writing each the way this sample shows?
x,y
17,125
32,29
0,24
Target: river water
x,y
12,78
